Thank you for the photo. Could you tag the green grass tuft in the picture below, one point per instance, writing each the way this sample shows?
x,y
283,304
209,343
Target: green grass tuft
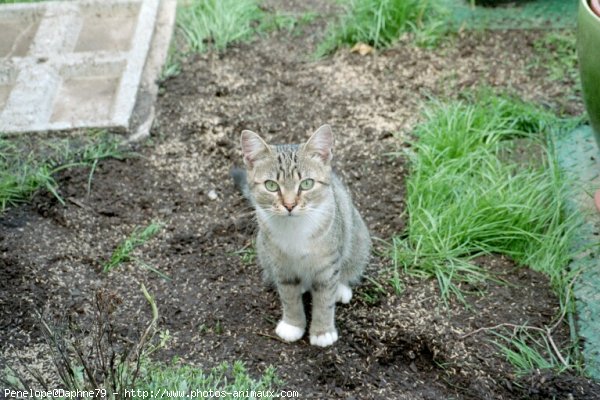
x,y
23,170
204,25
123,252
557,52
227,381
247,254
217,23
528,350
379,23
484,179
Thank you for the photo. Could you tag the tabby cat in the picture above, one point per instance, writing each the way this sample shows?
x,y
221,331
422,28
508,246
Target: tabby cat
x,y
310,237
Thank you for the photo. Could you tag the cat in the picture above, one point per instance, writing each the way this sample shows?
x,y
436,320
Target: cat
x,y
310,237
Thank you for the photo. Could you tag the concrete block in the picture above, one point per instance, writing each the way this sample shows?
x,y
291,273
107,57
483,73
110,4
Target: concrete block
x,y
73,64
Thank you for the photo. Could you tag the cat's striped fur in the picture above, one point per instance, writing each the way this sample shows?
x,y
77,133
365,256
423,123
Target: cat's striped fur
x,y
311,237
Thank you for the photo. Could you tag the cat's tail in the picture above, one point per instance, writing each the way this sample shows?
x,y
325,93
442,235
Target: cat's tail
x,y
240,180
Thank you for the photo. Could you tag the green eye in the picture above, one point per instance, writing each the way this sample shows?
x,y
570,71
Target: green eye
x,y
271,186
307,184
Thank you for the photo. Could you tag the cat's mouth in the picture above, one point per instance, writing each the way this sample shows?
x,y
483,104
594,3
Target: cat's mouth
x,y
285,213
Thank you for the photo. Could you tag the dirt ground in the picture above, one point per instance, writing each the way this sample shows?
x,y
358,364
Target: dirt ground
x,y
406,346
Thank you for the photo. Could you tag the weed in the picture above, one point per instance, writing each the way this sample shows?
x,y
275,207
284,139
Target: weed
x,y
218,329
94,358
381,22
372,293
466,197
226,380
23,171
556,51
247,254
288,22
529,350
217,23
172,65
123,252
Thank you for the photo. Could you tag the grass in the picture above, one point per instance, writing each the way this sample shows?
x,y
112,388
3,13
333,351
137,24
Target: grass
x,y
557,52
217,23
123,252
225,381
528,350
484,180
247,254
379,23
372,292
24,171
204,25
468,193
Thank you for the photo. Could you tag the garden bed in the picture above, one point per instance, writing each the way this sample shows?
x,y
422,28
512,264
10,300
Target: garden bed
x,y
215,307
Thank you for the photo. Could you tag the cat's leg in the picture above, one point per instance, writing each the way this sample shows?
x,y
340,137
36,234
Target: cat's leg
x,y
322,326
292,325
343,294
353,267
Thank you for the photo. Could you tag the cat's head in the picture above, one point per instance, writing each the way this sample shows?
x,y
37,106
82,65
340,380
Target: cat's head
x,y
289,180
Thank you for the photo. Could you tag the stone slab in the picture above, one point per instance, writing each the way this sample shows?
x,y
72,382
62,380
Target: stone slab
x,y
73,64
579,158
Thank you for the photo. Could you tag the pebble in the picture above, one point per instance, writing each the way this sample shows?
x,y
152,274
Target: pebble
x,y
213,195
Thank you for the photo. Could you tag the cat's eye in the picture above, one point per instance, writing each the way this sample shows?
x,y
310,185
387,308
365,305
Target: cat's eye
x,y
271,186
307,184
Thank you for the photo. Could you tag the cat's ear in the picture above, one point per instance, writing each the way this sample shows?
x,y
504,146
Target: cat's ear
x,y
253,146
321,143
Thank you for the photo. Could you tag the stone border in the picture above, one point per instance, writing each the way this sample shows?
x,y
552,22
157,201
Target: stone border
x,y
579,158
57,54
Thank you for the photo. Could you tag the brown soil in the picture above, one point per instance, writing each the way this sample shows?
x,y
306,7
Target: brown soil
x,y
398,346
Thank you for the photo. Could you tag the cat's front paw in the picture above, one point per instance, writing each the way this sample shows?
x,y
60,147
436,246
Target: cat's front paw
x,y
344,294
325,339
287,332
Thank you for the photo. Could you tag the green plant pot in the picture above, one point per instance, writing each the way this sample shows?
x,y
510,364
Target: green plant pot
x,y
588,51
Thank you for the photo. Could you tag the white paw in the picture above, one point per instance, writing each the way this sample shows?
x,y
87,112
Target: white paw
x,y
344,293
324,340
287,332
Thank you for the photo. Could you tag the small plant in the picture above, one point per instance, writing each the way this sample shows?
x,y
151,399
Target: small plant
x,y
217,23
172,66
123,252
528,350
372,293
291,23
248,253
379,23
94,358
23,171
556,51
224,381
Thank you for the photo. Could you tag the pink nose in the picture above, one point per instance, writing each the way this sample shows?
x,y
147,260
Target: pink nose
x,y
289,206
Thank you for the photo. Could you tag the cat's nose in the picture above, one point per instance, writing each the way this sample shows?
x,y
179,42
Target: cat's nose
x,y
289,206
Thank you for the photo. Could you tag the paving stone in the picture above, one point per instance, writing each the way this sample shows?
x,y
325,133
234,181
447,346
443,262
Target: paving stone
x,y
74,64
579,158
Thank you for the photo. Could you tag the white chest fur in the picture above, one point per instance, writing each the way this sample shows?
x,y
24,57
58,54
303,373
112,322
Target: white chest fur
x,y
295,235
